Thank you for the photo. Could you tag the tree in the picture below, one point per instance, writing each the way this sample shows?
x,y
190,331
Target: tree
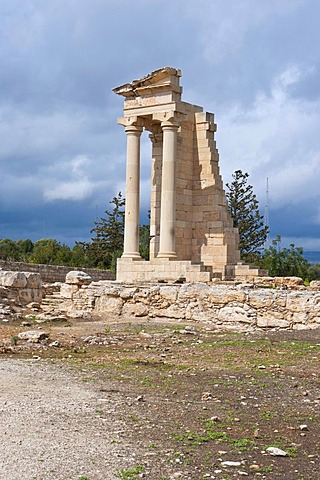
x,y
244,209
283,262
313,272
107,243
8,250
144,241
25,247
45,251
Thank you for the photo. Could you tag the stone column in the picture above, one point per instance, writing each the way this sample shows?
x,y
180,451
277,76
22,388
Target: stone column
x,y
168,191
132,210
156,139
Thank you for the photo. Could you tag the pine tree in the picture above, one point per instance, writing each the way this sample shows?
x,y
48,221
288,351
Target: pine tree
x,y
244,209
107,242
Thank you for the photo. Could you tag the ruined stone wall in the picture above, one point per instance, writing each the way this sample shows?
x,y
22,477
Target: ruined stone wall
x,y
19,288
54,273
229,307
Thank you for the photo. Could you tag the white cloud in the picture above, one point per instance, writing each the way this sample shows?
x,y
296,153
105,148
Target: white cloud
x,y
74,190
277,138
78,187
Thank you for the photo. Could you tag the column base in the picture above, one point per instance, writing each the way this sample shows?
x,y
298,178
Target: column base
x,y
172,255
133,255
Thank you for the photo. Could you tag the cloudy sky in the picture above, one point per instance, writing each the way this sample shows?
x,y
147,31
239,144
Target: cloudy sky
x,y
254,63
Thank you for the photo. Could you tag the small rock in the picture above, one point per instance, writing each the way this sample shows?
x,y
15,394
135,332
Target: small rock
x,y
277,452
303,427
206,396
25,324
215,418
261,367
255,467
229,463
54,344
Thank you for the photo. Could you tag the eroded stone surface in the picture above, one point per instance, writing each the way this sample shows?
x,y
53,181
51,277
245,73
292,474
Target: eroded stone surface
x,y
239,307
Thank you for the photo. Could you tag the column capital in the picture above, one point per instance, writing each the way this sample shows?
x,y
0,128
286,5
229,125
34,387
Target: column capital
x,y
170,116
132,121
170,125
133,129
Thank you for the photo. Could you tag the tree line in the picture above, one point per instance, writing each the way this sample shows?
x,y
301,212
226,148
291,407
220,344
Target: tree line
x,y
106,244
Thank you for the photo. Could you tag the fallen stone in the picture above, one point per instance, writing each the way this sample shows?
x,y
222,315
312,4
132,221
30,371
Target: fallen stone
x,y
277,452
78,277
33,336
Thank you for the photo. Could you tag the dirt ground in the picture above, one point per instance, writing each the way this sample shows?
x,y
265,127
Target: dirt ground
x,y
195,403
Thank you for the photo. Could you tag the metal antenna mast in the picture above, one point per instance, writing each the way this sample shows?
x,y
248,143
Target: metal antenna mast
x,y
266,213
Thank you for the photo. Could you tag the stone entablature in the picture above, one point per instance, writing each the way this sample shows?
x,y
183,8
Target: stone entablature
x,y
192,233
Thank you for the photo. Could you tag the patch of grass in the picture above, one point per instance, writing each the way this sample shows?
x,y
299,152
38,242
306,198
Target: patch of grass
x,y
14,339
210,433
131,473
148,381
267,415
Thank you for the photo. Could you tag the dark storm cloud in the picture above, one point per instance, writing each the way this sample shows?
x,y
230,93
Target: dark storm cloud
x,y
62,155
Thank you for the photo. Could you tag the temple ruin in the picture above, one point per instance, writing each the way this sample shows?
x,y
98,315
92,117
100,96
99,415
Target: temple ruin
x,y
192,237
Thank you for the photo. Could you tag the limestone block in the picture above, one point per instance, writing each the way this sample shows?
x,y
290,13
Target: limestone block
x,y
135,309
261,298
78,278
302,326
68,290
173,311
298,317
169,293
13,279
315,284
235,315
289,282
128,293
109,305
33,280
270,321
303,302
223,295
28,295
191,291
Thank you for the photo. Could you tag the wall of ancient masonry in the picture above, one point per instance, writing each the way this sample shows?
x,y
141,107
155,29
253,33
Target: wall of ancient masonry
x,y
204,228
54,273
239,307
19,288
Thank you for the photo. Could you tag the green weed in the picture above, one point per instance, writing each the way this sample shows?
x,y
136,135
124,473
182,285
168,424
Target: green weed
x,y
130,474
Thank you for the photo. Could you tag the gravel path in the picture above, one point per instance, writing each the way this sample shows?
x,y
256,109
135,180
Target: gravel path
x,y
55,427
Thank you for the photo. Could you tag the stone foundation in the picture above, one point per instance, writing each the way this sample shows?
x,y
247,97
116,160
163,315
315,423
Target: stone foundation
x,y
231,307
